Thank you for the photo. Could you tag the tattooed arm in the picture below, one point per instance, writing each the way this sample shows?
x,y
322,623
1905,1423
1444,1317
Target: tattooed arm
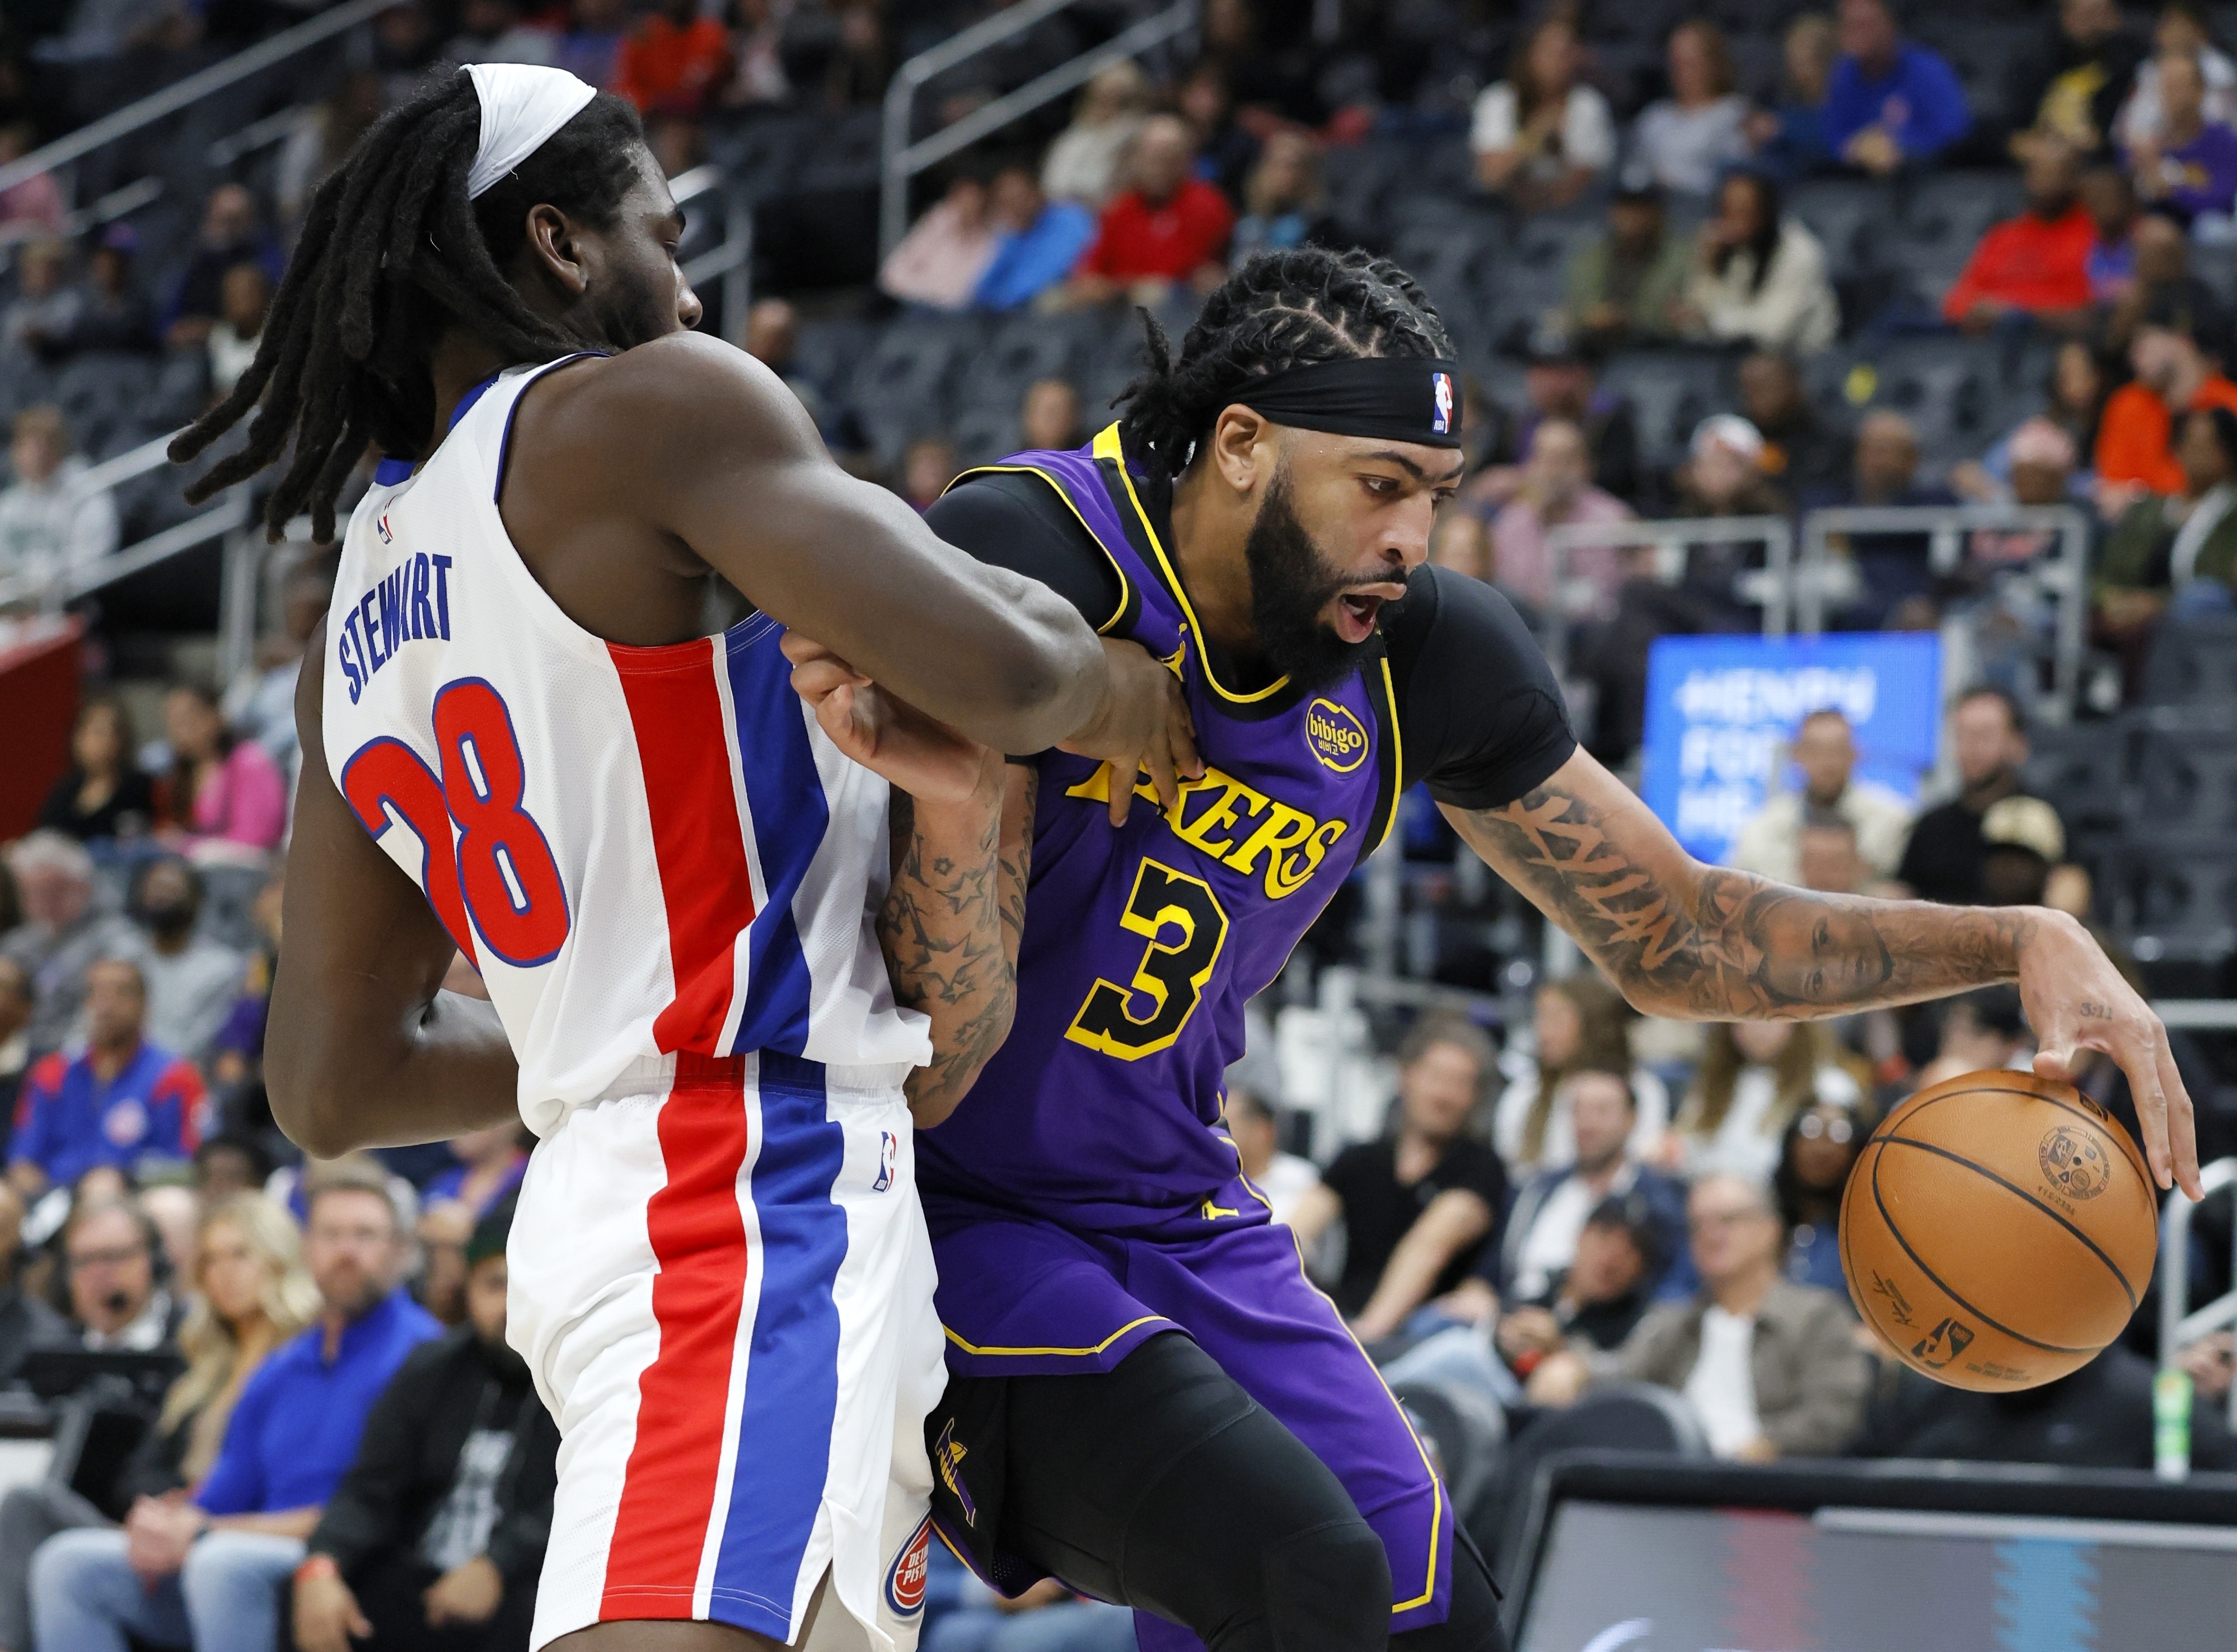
x,y
1705,944
951,924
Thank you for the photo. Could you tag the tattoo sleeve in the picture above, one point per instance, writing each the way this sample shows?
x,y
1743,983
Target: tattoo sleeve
x,y
1708,943
950,926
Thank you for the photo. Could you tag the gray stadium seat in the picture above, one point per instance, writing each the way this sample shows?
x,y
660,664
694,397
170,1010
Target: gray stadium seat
x,y
2082,767
1467,1431
1947,386
901,390
2186,776
2193,661
1623,1417
2175,899
101,393
1944,215
1850,215
1671,392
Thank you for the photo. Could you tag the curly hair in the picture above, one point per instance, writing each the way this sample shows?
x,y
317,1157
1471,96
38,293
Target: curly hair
x,y
392,253
1281,310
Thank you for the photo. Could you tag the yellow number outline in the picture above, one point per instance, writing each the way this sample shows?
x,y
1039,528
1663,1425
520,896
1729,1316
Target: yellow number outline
x,y
1107,996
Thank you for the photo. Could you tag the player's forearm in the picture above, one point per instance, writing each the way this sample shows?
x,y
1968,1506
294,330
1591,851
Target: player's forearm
x,y
1680,939
950,927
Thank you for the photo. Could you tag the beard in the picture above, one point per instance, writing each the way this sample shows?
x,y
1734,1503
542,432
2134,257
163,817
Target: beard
x,y
1292,584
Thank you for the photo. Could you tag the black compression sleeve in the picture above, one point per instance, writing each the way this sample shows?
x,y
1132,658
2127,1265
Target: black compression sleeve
x,y
1017,521
1479,713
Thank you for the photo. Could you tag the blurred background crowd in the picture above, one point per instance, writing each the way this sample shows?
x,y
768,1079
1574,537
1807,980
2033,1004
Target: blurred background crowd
x,y
1704,260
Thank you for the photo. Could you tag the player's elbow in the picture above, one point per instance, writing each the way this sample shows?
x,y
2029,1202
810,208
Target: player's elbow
x,y
309,1102
1041,688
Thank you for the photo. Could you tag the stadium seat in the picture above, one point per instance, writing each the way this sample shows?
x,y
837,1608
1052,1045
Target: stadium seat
x,y
2084,767
2185,775
2174,899
901,390
1623,1417
1943,216
1850,215
1671,392
100,393
1467,1431
1024,348
1947,386
2193,661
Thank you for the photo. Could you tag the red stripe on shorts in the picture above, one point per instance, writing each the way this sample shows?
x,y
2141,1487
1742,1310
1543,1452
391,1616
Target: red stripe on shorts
x,y
697,841
698,1237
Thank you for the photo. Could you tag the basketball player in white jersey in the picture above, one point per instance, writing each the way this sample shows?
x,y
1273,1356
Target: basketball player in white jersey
x,y
519,747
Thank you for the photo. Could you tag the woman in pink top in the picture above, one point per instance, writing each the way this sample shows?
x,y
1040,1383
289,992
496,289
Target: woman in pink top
x,y
224,789
1556,491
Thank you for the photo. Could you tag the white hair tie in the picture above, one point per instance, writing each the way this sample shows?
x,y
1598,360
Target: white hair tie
x,y
522,106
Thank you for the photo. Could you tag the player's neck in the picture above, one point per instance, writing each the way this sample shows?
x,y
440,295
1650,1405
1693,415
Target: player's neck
x,y
458,363
1211,526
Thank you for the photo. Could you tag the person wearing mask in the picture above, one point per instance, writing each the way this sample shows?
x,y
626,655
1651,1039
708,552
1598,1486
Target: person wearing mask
x,y
491,1163
207,1569
1577,1024
62,932
1826,752
48,527
2180,32
2175,353
118,1303
1167,229
1283,205
1418,1203
1682,142
1049,417
226,793
1943,859
1084,161
250,1294
1770,1367
117,1100
2035,265
232,232
2190,165
1892,102
192,979
104,793
1283,1178
1624,287
1754,1078
2072,88
939,262
1789,138
434,1537
2173,549
1557,492
1818,1151
1759,275
1038,240
1542,134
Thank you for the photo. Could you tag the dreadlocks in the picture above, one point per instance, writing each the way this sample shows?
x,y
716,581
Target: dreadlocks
x,y
1281,310
392,253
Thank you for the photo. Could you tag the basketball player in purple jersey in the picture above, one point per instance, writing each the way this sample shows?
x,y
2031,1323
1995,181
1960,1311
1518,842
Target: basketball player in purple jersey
x,y
520,745
1147,1399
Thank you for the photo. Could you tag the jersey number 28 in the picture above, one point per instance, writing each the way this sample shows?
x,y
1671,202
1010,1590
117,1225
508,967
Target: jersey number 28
x,y
1169,980
497,880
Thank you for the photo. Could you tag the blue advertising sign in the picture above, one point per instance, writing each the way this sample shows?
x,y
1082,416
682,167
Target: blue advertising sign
x,y
1719,709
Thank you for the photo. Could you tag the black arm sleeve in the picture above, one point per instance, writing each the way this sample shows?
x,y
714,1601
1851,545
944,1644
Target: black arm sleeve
x,y
1017,521
1481,716
366,1512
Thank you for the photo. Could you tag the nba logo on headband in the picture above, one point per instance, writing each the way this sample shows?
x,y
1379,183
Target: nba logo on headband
x,y
1441,397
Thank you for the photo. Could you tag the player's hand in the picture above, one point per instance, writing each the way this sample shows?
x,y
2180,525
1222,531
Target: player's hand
x,y
470,1593
326,1615
2076,1002
921,755
1142,722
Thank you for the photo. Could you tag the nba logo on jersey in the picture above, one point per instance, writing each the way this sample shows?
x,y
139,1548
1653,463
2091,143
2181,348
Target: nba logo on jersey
x,y
1440,394
889,1153
905,1582
387,537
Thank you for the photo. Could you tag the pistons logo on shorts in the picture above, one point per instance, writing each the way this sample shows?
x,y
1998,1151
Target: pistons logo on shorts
x,y
905,1581
890,1158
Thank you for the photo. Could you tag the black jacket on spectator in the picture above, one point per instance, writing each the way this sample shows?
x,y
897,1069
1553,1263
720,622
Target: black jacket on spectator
x,y
2099,1418
133,804
409,1463
1943,858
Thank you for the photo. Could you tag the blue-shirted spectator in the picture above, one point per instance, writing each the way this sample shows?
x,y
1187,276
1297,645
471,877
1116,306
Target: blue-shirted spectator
x,y
1892,102
206,1570
119,1101
1041,240
1789,138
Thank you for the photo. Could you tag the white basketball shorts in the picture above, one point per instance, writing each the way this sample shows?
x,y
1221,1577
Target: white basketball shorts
x,y
724,1292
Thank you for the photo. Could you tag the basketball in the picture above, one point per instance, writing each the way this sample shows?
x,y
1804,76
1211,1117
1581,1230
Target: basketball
x,y
1998,1231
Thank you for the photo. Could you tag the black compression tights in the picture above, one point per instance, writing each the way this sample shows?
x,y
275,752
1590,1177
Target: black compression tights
x,y
1160,1483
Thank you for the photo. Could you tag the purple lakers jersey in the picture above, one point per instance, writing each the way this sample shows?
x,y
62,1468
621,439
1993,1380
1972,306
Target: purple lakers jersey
x,y
1143,944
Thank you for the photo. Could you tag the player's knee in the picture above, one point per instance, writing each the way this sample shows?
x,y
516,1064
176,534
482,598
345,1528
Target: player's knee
x,y
1328,1589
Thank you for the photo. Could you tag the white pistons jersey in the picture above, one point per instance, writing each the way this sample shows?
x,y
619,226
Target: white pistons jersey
x,y
646,852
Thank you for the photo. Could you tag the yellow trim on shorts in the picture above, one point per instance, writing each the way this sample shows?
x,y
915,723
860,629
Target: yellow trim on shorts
x,y
1067,1353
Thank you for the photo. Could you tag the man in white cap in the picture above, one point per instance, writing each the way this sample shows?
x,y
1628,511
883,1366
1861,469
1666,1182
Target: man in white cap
x,y
520,749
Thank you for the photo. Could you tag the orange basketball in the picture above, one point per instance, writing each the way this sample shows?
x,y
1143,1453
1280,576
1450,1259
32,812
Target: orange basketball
x,y
1998,1230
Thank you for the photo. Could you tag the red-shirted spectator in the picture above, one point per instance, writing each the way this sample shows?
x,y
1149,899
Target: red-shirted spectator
x,y
2037,262
2175,367
1168,227
674,61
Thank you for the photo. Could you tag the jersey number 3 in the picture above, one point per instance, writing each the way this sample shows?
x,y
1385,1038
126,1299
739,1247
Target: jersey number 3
x,y
497,881
1169,980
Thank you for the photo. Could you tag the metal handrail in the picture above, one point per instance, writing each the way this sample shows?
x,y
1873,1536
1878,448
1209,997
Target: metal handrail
x,y
733,258
900,160
1669,535
2177,1330
177,96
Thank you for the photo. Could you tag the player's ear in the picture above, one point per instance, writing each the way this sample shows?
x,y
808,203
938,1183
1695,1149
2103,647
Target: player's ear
x,y
555,247
1242,448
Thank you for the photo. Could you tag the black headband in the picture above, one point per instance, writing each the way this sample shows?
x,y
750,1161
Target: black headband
x,y
1403,397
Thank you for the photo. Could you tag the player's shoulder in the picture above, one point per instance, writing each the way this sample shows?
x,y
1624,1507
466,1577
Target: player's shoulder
x,y
665,399
1444,611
